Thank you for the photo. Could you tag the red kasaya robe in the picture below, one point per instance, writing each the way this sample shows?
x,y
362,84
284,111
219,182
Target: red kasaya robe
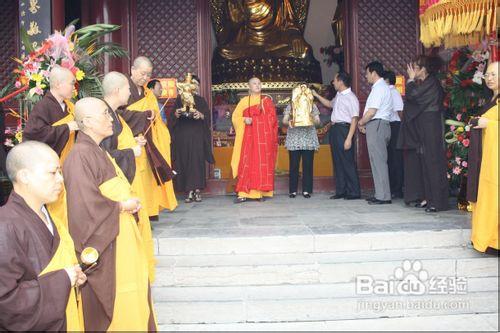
x,y
255,148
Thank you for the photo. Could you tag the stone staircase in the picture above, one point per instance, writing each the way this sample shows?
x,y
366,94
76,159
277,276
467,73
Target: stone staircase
x,y
309,282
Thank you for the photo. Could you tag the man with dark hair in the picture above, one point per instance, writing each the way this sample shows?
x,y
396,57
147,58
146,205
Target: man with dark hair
x,y
344,119
395,156
375,123
155,86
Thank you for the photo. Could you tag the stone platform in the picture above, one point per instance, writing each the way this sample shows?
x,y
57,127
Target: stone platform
x,y
292,264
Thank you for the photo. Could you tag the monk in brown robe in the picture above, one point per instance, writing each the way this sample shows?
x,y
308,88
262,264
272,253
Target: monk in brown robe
x,y
51,120
101,212
38,266
127,151
143,117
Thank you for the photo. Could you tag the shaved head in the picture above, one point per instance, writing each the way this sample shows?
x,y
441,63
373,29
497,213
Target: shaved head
x,y
93,118
112,82
60,75
28,155
142,61
35,172
62,83
254,85
141,71
85,107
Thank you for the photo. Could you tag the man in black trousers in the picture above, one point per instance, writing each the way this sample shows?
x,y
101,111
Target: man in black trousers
x,y
394,155
344,119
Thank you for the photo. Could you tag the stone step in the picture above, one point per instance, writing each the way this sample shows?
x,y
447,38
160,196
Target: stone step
x,y
315,272
288,240
325,309
263,259
283,292
463,322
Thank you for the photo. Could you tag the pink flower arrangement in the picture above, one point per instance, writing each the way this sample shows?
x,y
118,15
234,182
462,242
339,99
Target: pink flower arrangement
x,y
457,170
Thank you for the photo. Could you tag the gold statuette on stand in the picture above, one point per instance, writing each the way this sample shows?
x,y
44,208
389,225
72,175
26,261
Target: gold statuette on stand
x,y
302,104
186,90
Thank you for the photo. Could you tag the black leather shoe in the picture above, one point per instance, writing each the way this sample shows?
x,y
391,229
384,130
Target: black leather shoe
x,y
379,202
306,195
352,197
431,209
337,196
292,195
240,200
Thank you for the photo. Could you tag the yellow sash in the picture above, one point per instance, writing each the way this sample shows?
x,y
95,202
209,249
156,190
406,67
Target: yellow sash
x,y
65,120
64,257
157,196
131,309
58,209
126,140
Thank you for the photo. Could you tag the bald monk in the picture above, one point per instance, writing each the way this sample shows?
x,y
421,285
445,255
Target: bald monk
x,y
127,150
143,116
51,121
38,265
256,144
101,212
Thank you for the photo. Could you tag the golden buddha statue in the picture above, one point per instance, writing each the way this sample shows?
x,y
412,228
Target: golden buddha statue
x,y
252,34
302,104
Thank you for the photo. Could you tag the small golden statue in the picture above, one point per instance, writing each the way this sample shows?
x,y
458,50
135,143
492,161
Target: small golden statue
x,y
186,91
302,105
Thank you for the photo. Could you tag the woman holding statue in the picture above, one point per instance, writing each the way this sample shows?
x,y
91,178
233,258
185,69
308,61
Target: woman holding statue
x,y
301,116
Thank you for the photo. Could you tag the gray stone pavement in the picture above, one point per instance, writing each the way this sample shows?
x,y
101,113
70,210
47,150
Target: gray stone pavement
x,y
218,216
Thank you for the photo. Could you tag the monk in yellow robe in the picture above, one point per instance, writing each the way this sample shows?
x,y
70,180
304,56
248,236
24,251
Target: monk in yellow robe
x,y
126,151
256,144
38,264
485,209
143,117
101,212
52,122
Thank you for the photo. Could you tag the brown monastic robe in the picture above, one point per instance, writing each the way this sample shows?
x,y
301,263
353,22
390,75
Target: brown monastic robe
x,y
39,125
125,158
29,302
93,221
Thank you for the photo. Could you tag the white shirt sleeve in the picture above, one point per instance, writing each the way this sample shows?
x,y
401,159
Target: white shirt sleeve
x,y
397,101
354,107
375,99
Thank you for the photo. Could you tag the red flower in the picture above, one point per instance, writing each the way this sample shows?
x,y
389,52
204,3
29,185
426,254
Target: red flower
x,y
466,83
460,138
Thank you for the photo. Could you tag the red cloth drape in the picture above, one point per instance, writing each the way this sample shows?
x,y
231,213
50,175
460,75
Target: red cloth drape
x,y
259,148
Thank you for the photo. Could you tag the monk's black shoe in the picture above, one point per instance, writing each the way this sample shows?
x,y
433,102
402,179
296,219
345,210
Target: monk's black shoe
x,y
431,209
306,195
379,202
239,200
292,195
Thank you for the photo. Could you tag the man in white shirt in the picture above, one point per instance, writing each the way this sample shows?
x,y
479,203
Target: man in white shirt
x,y
375,123
394,155
345,113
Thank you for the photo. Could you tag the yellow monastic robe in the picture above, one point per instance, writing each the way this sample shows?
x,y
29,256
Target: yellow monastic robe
x,y
157,197
58,209
126,140
65,256
239,127
485,210
132,285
